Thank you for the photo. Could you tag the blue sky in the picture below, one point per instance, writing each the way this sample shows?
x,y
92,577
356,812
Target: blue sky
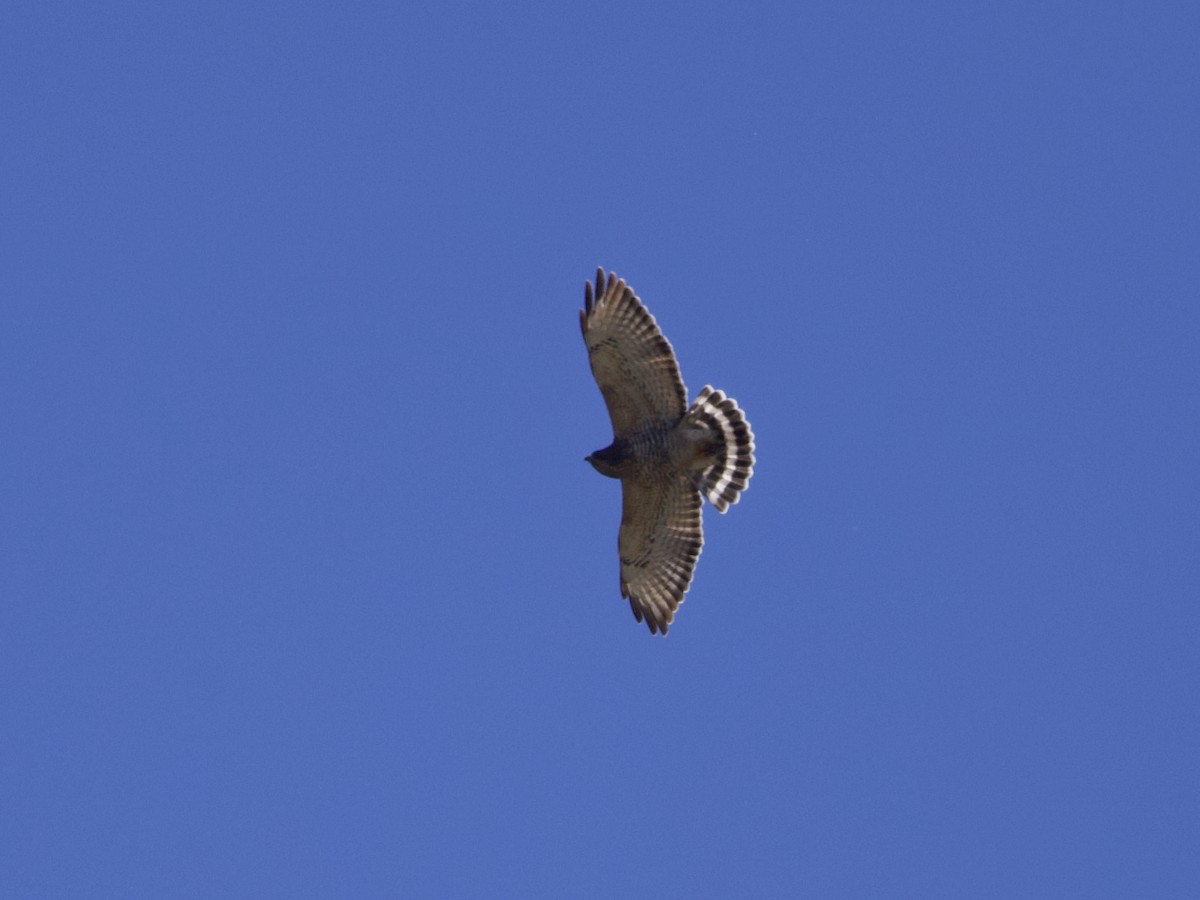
x,y
306,589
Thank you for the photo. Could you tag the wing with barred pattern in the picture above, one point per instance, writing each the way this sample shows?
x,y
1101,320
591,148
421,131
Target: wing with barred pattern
x,y
659,543
632,362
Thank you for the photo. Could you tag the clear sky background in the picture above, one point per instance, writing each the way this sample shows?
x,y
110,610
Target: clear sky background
x,y
306,589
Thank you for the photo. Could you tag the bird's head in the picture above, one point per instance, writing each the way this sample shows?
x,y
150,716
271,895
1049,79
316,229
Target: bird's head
x,y
607,461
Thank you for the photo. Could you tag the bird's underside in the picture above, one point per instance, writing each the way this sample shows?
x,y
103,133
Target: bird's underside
x,y
666,454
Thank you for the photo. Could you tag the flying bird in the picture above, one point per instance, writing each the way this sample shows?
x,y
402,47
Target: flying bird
x,y
667,454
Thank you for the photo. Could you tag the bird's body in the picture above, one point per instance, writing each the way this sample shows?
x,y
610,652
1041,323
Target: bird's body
x,y
654,451
666,454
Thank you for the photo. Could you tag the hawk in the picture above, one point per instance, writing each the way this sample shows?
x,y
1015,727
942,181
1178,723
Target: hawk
x,y
666,454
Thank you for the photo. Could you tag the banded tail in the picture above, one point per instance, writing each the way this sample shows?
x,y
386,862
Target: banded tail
x,y
723,481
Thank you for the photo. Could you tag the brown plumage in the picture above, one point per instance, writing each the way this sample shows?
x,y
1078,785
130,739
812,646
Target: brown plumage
x,y
666,454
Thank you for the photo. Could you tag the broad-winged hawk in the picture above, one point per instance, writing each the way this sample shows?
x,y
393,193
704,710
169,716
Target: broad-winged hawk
x,y
667,454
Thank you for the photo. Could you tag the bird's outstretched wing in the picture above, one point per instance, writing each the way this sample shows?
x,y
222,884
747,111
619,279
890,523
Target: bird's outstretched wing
x,y
632,362
659,544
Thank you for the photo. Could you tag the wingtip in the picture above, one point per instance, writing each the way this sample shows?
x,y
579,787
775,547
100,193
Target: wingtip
x,y
648,615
